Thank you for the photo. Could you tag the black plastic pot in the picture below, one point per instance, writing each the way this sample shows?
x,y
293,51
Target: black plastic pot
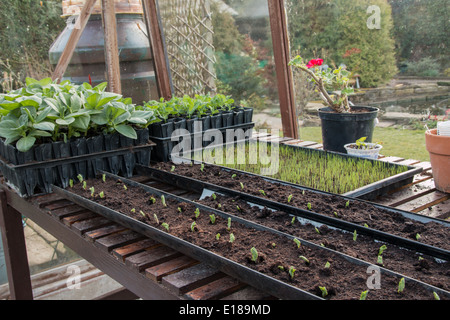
x,y
338,129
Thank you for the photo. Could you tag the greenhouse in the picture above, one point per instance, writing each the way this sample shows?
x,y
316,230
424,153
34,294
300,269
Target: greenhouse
x,y
248,152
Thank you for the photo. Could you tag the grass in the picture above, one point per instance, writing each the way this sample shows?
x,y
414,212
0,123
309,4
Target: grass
x,y
404,143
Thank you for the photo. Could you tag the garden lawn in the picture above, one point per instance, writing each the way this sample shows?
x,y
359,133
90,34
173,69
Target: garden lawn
x,y
404,143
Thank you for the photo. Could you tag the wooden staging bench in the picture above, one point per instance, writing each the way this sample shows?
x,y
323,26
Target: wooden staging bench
x,y
145,268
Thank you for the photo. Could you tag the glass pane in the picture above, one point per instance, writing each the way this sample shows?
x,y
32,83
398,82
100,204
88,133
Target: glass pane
x,y
223,47
397,51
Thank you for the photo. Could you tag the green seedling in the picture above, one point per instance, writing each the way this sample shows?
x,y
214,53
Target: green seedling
x,y
71,183
133,210
363,295
297,242
242,185
163,200
218,236
219,206
366,225
92,189
281,268
380,260
229,224
104,177
179,210
262,192
324,291
212,217
418,237
381,250
238,208
152,200
232,238
293,220
304,259
308,206
317,230
335,214
233,176
214,196
436,296
347,204
327,265
84,185
101,195
401,285
254,253
80,178
290,198
355,235
156,218
142,214
172,169
193,226
273,244
292,272
166,226
197,213
202,167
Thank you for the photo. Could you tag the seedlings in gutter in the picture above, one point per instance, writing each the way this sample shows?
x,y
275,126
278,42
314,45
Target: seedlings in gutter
x,y
214,196
212,217
363,295
165,225
71,183
163,200
324,291
202,167
293,220
347,204
304,259
232,238
193,226
401,285
297,242
290,198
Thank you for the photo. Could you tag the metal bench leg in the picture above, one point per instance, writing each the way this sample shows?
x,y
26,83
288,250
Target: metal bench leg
x,y
15,251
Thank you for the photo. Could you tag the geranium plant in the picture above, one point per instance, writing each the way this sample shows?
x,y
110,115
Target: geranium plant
x,y
332,85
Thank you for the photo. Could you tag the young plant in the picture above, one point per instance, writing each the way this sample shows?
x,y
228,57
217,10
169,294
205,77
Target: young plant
x,y
165,225
242,185
104,177
436,296
142,214
292,272
202,167
232,238
172,169
214,196
293,220
163,200
197,213
304,259
263,193
297,242
218,236
254,253
347,204
212,217
229,224
92,189
324,291
80,178
125,187
363,295
179,210
308,206
355,235
381,250
233,176
401,285
85,185
101,195
156,218
71,183
152,200
133,210
290,198
327,265
193,226
317,230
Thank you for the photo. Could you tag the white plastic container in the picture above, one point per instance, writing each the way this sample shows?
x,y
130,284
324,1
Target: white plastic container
x,y
443,128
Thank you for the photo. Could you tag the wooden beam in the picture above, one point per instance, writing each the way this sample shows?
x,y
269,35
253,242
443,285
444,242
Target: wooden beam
x,y
157,46
15,251
111,46
67,54
281,52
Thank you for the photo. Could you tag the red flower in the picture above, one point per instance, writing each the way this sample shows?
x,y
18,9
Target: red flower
x,y
90,80
314,63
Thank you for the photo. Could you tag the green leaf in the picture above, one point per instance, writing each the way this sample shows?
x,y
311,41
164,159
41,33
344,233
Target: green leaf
x,y
82,122
24,144
75,103
126,131
45,126
65,122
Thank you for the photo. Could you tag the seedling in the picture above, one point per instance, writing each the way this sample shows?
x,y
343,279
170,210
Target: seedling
x,y
232,238
281,268
202,167
71,183
304,259
290,198
80,178
156,218
355,235
218,236
101,195
179,210
163,200
238,208
84,185
172,169
324,291
380,260
152,200
214,196
233,176
347,204
254,253
165,225
197,213
273,244
417,237
317,230
292,272
142,214
193,225
335,214
242,185
262,192
125,187
229,224
104,177
297,242
381,250
436,296
293,220
133,210
309,206
327,265
364,295
92,189
401,285
212,217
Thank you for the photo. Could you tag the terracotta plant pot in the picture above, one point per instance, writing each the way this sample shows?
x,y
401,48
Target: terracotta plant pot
x,y
439,149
